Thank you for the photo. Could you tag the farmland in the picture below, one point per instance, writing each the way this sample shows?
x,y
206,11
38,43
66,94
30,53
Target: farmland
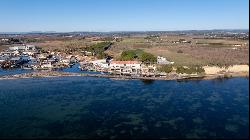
x,y
183,49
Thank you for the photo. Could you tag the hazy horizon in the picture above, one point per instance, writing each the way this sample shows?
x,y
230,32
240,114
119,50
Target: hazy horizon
x,y
124,31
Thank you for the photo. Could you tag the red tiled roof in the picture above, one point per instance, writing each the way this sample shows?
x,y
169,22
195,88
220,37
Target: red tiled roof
x,y
125,62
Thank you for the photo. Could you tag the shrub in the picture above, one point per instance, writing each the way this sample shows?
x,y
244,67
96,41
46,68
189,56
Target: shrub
x,y
179,51
138,54
128,55
166,68
180,69
190,70
200,70
147,57
99,49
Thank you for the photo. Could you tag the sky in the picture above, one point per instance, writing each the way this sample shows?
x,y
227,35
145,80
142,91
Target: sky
x,y
122,15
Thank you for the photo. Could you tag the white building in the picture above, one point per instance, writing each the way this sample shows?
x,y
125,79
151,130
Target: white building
x,y
163,61
125,67
4,39
15,48
237,45
10,53
22,48
46,65
28,52
100,65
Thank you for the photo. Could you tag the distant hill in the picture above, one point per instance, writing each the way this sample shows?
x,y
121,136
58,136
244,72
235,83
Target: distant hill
x,y
131,32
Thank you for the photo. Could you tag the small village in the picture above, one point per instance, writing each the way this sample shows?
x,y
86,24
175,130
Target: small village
x,y
33,58
30,57
136,54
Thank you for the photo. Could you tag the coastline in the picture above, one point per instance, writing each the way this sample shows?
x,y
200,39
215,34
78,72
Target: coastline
x,y
53,74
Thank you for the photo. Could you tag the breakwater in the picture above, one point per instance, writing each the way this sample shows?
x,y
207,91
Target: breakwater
x,y
119,77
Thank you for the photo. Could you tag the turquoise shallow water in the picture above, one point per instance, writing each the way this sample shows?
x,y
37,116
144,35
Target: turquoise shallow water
x,y
74,69
88,107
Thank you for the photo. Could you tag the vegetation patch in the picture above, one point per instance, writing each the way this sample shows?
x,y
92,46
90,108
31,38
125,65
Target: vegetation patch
x,y
99,48
165,68
138,55
179,51
190,70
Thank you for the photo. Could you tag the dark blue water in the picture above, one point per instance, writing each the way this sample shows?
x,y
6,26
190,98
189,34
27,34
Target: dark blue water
x,y
13,71
88,107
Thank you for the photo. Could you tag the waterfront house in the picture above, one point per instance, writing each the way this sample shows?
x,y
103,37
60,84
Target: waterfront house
x,y
100,65
46,65
125,67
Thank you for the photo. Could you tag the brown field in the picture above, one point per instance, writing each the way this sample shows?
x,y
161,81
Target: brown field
x,y
193,54
216,52
62,44
3,47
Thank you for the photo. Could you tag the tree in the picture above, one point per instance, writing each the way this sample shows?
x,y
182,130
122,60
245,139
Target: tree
x,y
128,55
99,49
147,58
138,55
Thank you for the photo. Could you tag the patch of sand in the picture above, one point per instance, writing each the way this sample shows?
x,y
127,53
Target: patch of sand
x,y
232,69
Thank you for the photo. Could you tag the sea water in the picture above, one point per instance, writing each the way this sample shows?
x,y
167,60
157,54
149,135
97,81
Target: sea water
x,y
89,107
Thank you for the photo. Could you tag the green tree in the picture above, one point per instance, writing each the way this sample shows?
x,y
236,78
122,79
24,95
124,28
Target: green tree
x,y
147,57
128,55
138,55
99,49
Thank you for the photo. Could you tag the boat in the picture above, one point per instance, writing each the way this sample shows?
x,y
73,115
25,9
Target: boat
x,y
26,68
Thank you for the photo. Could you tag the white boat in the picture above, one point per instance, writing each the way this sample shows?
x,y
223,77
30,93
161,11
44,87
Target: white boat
x,y
26,68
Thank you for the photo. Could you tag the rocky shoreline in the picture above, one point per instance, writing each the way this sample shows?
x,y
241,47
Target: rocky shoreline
x,y
41,74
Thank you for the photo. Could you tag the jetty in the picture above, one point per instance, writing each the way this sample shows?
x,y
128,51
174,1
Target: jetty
x,y
40,74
